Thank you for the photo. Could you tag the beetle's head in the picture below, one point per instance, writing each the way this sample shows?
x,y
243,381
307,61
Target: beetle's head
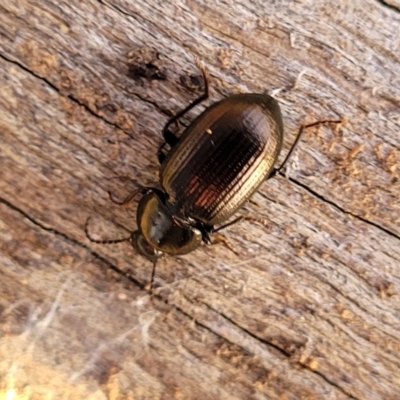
x,y
160,232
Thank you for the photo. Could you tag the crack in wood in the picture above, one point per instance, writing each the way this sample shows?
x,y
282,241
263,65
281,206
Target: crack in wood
x,y
341,209
74,241
55,88
283,352
78,102
390,6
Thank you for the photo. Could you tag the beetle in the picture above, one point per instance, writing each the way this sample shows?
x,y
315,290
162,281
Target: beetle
x,y
210,171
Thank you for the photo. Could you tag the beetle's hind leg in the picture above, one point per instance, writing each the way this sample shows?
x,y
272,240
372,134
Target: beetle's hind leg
x,y
302,129
261,221
170,138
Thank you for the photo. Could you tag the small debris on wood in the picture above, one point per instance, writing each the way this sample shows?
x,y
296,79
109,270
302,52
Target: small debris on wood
x,y
193,83
147,63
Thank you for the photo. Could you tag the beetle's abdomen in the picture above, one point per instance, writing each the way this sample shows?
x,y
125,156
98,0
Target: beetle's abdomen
x,y
222,157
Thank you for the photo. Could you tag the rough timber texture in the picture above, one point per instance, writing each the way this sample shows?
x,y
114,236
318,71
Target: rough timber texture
x,y
309,309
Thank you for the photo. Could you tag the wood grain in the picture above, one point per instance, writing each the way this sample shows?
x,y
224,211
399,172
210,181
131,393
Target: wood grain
x,y
309,309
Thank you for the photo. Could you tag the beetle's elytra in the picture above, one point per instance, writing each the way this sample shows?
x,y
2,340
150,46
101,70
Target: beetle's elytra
x,y
217,163
222,157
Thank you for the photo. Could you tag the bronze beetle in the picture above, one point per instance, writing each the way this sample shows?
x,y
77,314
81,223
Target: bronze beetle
x,y
217,164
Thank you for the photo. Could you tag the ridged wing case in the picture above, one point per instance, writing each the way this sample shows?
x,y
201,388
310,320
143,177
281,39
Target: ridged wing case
x,y
222,157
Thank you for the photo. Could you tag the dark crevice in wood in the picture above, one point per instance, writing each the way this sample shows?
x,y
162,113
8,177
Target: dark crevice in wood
x,y
128,277
390,6
280,350
208,329
114,7
341,209
153,103
55,88
74,241
17,63
283,352
79,103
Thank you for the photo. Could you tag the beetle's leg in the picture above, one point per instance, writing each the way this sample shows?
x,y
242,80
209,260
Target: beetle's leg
x,y
235,221
128,199
303,127
181,113
101,241
207,229
261,221
169,137
222,239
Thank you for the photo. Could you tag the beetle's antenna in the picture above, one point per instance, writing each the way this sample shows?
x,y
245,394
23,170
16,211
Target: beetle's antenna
x,y
153,272
101,241
303,127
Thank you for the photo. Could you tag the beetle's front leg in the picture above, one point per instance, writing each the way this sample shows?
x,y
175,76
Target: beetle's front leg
x,y
222,239
169,138
206,230
261,221
128,199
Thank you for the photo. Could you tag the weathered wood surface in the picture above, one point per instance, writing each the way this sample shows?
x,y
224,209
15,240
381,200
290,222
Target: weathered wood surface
x,y
310,309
